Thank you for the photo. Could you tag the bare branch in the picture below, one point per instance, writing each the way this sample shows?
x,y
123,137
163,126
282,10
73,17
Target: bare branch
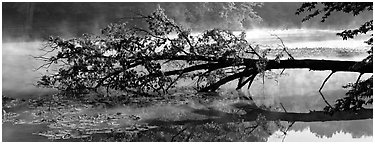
x,y
356,83
321,94
251,81
45,65
253,128
324,82
283,108
216,85
171,84
254,51
284,47
287,129
282,71
184,36
172,139
248,80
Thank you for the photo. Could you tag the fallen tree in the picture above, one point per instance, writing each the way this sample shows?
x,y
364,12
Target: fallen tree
x,y
153,60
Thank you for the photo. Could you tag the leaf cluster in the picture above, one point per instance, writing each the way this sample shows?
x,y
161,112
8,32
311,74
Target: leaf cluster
x,y
358,95
327,8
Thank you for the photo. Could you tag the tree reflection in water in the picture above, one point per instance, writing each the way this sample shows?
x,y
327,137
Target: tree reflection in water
x,y
221,120
258,130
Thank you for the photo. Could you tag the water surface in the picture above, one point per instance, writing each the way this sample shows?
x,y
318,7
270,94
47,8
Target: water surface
x,y
295,90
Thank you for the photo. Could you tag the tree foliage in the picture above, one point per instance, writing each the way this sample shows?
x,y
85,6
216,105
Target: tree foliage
x,y
327,8
207,15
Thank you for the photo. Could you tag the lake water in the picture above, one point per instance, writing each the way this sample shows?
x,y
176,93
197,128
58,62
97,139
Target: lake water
x,y
296,90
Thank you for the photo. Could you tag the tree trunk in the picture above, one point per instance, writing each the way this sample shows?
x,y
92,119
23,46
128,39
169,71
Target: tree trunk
x,y
225,80
312,64
332,65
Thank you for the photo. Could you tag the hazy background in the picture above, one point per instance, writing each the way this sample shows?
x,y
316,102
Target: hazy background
x,y
26,26
39,20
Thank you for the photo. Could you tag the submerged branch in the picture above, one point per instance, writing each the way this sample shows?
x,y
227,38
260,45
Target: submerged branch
x,y
225,80
321,94
356,83
324,82
248,80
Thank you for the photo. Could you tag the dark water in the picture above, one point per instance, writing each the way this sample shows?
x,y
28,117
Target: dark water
x,y
22,133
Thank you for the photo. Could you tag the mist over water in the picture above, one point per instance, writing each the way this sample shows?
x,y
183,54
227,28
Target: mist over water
x,y
305,38
18,69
